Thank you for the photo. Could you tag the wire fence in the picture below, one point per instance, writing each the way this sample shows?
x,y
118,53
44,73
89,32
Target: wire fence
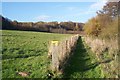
x,y
60,51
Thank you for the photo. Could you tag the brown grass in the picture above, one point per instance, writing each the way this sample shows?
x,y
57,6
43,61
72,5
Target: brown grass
x,y
105,50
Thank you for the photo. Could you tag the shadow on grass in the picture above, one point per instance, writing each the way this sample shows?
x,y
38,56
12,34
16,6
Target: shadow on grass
x,y
79,62
21,53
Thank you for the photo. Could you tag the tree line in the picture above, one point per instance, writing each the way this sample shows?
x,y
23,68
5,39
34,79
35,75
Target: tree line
x,y
62,27
105,24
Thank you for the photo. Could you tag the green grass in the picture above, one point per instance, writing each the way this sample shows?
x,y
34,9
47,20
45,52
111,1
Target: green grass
x,y
82,64
25,51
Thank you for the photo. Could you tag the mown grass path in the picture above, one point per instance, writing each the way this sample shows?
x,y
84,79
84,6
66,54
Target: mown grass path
x,y
82,64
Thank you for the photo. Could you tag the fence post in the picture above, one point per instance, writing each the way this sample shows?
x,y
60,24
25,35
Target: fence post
x,y
55,61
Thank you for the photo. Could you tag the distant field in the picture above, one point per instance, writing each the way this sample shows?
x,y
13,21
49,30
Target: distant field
x,y
26,51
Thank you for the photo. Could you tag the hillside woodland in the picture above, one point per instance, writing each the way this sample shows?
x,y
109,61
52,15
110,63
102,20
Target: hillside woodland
x,y
56,27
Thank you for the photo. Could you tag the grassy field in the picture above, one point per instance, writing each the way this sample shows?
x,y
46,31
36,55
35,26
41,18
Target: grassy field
x,y
25,51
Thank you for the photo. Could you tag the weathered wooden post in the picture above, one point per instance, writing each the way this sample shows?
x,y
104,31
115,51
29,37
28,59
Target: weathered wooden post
x,y
55,61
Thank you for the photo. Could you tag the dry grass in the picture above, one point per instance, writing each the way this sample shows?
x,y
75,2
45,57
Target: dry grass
x,y
60,51
105,50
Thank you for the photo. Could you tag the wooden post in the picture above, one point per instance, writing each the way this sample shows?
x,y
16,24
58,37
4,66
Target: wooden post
x,y
55,61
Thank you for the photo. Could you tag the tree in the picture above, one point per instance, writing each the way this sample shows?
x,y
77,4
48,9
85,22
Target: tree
x,y
92,27
111,9
106,22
